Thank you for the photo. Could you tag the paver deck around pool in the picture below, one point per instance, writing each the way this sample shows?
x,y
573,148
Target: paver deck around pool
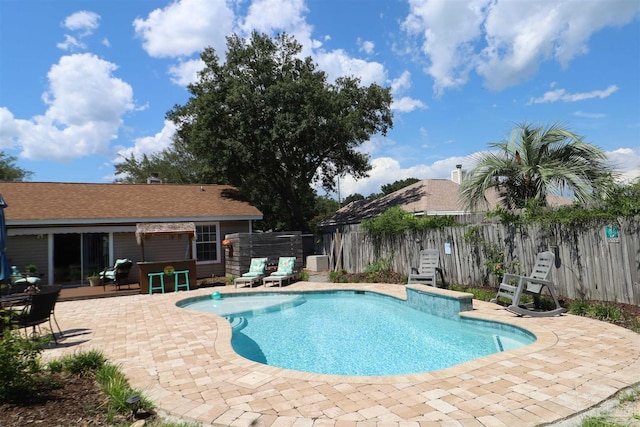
x,y
183,361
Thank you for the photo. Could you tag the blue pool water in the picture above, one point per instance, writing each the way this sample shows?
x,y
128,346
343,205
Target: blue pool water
x,y
349,333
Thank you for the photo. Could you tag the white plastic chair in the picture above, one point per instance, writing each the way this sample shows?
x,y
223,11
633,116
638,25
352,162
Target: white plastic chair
x,y
513,286
426,273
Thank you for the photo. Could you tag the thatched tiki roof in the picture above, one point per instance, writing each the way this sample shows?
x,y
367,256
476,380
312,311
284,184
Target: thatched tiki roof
x,y
147,230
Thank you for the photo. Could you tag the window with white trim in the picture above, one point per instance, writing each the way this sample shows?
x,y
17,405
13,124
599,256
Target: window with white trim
x,y
207,242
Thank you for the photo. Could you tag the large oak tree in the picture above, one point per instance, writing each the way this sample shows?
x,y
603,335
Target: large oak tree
x,y
267,121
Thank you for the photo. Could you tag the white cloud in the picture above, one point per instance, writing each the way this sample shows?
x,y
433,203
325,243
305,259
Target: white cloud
x,y
84,21
375,144
71,43
402,83
277,16
185,27
337,63
407,104
627,160
366,46
506,41
149,144
404,104
269,16
85,107
186,72
562,95
446,31
10,129
589,115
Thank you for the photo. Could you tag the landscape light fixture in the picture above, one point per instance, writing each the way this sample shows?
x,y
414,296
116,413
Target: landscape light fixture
x,y
134,403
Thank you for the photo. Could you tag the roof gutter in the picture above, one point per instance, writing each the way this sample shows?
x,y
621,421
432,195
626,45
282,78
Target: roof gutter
x,y
116,221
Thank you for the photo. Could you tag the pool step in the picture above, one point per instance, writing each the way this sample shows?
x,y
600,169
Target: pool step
x,y
237,322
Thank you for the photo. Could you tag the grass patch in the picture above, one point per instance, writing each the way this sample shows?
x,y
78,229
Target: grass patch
x,y
599,421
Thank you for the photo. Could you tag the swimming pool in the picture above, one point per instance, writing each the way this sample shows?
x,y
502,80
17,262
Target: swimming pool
x,y
353,333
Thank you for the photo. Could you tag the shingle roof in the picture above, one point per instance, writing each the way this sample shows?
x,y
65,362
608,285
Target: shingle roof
x,y
426,197
58,203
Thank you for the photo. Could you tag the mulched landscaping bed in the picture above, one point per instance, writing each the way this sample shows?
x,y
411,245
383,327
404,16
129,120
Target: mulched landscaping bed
x,y
68,400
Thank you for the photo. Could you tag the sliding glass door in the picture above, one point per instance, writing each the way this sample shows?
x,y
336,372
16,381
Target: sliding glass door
x,y
77,255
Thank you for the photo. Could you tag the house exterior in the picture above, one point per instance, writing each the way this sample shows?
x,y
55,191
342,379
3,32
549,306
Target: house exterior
x,y
71,230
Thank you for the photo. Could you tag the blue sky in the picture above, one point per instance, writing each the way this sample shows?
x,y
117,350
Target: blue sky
x,y
84,82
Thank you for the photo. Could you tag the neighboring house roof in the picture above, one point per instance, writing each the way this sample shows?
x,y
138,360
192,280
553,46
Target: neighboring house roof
x,y
426,197
52,203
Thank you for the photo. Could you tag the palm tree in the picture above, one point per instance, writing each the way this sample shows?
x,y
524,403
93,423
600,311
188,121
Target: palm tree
x,y
537,161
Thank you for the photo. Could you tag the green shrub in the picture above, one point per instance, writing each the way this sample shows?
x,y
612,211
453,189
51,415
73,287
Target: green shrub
x,y
396,222
303,275
117,388
383,265
55,366
635,325
83,362
19,365
579,307
495,258
479,294
623,201
338,276
373,276
603,311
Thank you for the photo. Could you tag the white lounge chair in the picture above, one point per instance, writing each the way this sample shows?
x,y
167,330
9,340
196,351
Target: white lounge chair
x,y
426,273
285,272
254,275
513,286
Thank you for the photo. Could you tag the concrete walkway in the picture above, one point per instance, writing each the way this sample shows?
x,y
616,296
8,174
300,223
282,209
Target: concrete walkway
x,y
183,361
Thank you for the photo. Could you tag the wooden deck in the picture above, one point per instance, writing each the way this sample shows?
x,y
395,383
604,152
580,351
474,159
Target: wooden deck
x,y
110,290
90,292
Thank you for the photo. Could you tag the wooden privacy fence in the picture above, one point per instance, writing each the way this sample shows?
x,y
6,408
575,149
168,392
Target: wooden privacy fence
x,y
599,262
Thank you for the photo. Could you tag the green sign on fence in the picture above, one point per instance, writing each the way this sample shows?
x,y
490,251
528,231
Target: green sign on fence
x,y
613,233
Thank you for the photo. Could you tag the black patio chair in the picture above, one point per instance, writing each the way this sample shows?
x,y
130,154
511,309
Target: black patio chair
x,y
117,275
38,309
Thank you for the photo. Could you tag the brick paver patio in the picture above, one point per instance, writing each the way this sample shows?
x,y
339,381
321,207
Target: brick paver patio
x,y
183,361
